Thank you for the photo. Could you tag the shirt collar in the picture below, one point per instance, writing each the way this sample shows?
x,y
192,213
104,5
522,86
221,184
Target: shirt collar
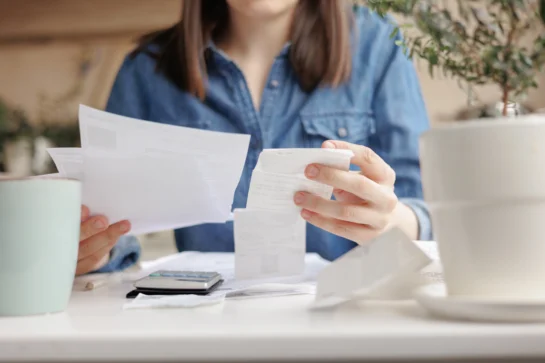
x,y
211,46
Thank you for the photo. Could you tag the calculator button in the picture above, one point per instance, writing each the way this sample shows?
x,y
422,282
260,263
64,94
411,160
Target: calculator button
x,y
168,274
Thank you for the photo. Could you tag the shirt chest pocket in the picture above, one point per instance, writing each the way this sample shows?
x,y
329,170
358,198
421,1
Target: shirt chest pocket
x,y
351,127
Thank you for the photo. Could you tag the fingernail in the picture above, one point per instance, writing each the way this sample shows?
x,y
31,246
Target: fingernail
x,y
299,198
329,145
312,171
99,224
124,227
305,214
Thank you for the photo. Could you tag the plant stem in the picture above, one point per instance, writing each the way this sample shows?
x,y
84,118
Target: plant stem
x,y
513,22
505,100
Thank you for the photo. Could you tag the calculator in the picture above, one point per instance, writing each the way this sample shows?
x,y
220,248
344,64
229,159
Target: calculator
x,y
179,280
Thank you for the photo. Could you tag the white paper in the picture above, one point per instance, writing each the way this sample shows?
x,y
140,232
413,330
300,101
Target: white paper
x,y
432,273
224,264
429,248
47,176
169,194
268,243
383,268
156,176
270,235
270,191
174,301
295,161
273,290
280,173
69,162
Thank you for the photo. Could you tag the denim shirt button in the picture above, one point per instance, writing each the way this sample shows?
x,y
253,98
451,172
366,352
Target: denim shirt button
x,y
342,132
274,83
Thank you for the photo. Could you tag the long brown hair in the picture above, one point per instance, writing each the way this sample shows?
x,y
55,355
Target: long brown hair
x,y
320,51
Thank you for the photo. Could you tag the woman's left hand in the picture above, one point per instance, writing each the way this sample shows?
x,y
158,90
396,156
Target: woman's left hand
x,y
365,201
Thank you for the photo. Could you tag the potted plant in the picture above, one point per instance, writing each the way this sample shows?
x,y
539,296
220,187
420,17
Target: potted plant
x,y
16,141
483,179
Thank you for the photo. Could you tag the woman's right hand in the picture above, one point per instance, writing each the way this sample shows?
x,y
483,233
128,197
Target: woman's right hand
x,y
97,238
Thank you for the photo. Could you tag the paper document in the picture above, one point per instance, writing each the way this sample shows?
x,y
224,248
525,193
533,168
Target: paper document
x,y
268,243
273,290
270,235
429,248
156,176
69,162
280,173
383,268
272,191
47,176
295,161
174,301
224,264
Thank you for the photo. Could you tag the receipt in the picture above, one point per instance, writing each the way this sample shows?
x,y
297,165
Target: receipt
x,y
295,161
272,290
272,191
268,243
174,301
270,235
385,268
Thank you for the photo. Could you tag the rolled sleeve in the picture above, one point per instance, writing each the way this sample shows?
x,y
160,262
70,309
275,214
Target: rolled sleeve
x,y
401,118
420,209
125,254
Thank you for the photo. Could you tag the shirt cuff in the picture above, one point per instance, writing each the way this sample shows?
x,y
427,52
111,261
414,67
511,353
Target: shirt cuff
x,y
420,209
125,253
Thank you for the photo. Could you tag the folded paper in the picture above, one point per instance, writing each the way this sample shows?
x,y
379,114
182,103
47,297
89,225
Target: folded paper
x,y
382,268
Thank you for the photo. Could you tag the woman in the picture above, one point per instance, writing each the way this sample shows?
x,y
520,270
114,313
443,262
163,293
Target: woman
x,y
292,73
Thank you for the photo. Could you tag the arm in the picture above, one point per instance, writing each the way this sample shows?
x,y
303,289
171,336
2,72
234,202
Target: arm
x,y
401,117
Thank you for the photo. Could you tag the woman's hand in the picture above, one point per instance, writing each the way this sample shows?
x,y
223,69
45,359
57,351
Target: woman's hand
x,y
97,238
365,202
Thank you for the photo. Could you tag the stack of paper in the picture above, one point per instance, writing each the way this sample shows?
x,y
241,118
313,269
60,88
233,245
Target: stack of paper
x,y
156,176
270,234
224,264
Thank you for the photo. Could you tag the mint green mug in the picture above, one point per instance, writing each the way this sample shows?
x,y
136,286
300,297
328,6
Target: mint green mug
x,y
39,239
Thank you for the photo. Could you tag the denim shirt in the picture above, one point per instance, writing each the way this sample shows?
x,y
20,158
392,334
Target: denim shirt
x,y
380,106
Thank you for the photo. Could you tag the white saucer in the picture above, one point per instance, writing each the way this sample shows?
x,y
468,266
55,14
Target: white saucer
x,y
435,300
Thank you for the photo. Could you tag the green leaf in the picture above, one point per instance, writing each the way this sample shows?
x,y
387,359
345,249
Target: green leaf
x,y
474,41
394,32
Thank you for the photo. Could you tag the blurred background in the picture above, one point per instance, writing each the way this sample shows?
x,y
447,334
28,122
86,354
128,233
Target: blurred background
x,y
56,54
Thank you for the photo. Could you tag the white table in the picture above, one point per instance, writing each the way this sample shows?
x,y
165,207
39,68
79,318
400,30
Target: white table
x,y
95,328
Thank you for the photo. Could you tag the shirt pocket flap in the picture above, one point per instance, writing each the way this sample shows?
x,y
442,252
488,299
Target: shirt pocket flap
x,y
350,127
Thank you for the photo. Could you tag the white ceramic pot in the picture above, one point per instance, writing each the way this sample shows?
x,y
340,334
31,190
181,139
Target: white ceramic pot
x,y
484,182
18,157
